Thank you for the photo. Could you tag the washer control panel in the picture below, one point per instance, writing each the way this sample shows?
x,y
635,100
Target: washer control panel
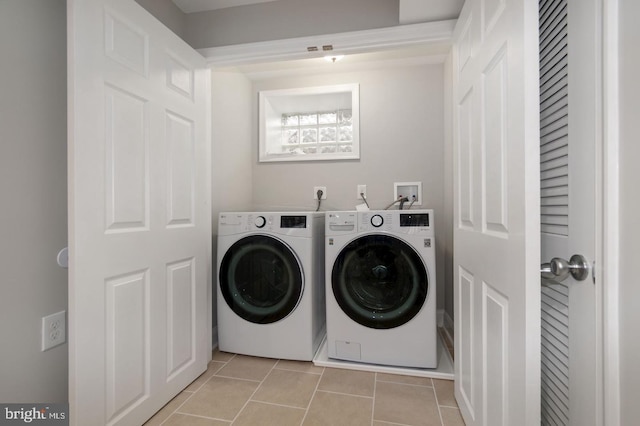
x,y
381,220
398,221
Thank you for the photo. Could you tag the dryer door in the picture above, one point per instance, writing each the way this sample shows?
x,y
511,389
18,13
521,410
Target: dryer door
x,y
261,279
379,281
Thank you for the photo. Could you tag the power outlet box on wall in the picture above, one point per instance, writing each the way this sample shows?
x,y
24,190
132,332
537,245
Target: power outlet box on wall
x,y
54,330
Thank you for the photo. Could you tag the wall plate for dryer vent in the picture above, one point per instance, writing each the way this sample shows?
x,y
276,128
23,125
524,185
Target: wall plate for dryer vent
x,y
409,190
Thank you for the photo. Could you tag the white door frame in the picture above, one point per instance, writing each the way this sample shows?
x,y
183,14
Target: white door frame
x,y
608,254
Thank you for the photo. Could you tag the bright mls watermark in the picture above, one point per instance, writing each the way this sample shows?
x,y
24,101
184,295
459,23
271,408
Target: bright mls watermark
x,y
34,414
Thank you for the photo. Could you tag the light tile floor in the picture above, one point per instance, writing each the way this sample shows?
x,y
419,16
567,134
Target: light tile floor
x,y
243,390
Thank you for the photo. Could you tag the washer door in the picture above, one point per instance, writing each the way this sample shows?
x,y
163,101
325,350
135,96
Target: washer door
x,y
379,281
261,279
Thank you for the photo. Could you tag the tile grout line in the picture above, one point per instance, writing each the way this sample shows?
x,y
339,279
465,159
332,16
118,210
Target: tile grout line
x,y
298,371
313,395
373,404
291,371
192,393
206,381
214,374
275,404
177,408
403,383
346,394
237,378
201,416
306,412
254,392
437,403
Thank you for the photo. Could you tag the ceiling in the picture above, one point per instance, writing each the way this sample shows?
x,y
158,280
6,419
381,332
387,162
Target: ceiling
x,y
191,6
417,53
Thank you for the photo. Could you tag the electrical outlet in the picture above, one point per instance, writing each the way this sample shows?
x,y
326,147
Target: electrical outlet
x,y
54,330
362,189
321,188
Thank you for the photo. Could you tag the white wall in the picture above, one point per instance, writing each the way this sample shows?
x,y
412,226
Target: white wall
x,y
232,156
232,152
412,11
448,221
630,205
168,13
33,185
287,19
401,138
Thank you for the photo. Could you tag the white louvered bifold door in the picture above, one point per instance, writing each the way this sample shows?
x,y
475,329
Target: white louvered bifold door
x,y
554,205
496,213
554,121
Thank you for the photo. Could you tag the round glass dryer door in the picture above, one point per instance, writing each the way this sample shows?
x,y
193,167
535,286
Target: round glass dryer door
x,y
261,279
379,281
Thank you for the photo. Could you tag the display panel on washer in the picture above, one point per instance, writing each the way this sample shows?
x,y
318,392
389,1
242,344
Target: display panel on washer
x,y
412,219
261,279
379,281
293,221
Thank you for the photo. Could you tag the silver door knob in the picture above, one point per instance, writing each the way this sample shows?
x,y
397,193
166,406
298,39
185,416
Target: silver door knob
x,y
559,269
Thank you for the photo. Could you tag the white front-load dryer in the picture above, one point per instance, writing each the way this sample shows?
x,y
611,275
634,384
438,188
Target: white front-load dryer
x,y
381,287
270,292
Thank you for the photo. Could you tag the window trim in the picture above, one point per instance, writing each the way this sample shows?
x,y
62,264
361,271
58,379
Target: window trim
x,y
271,109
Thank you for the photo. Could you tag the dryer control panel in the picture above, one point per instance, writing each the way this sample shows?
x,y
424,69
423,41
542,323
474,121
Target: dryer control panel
x,y
301,224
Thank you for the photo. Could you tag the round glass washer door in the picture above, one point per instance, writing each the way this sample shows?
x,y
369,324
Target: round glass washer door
x,y
261,279
379,281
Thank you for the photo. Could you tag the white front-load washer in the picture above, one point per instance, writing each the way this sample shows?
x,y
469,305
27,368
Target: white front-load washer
x,y
381,287
271,298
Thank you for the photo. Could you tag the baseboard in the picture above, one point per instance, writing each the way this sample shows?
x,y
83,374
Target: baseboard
x,y
447,326
214,338
446,333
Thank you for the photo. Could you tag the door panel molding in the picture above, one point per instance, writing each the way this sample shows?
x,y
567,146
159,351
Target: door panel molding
x,y
496,259
139,213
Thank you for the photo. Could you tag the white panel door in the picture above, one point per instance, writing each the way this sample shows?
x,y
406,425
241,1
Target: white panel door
x,y
496,208
572,354
139,213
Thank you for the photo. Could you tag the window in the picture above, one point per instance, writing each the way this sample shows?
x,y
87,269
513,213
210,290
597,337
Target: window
x,y
326,132
317,123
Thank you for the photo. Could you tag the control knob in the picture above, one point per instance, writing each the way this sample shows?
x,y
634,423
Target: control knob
x,y
377,220
260,221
